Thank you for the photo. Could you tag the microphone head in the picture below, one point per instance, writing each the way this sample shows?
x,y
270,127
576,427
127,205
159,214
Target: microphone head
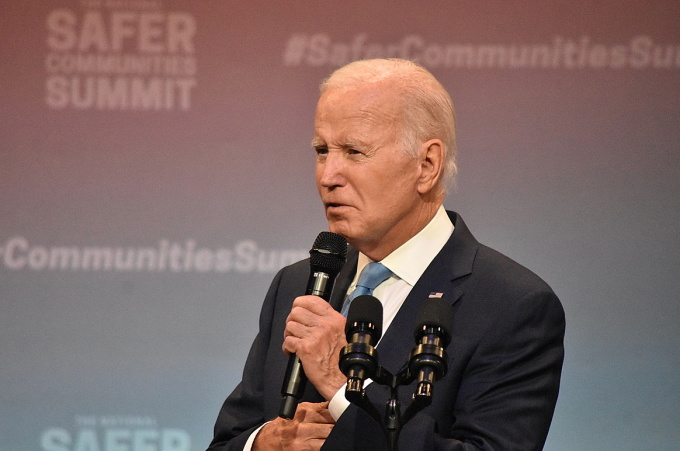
x,y
328,253
365,309
436,315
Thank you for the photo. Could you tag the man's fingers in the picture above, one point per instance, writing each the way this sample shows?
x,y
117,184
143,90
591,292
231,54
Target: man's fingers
x,y
313,304
308,430
314,413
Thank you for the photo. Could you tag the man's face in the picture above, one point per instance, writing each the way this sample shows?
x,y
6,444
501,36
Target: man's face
x,y
366,181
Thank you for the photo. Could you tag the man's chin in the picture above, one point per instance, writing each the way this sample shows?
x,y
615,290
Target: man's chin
x,y
339,227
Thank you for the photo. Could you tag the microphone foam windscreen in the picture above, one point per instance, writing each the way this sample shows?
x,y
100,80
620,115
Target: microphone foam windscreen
x,y
366,309
328,252
435,313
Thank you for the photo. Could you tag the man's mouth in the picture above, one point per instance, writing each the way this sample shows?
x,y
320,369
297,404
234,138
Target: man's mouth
x,y
334,205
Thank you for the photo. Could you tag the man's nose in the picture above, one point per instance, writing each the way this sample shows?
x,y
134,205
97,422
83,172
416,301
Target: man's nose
x,y
331,170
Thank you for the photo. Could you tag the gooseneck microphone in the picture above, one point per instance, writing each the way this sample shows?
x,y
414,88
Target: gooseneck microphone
x,y
326,258
428,359
359,358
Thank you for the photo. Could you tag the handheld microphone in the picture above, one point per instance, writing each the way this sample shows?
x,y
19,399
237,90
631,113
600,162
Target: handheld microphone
x,y
359,358
326,258
427,361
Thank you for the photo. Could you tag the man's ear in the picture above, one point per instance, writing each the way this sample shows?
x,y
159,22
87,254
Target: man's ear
x,y
431,160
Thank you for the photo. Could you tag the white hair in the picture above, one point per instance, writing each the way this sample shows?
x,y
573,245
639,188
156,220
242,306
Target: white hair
x,y
426,108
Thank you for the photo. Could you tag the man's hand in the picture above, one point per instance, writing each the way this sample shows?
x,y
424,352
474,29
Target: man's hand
x,y
316,333
307,431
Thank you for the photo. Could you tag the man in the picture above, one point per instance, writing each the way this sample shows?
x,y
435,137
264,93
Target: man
x,y
384,139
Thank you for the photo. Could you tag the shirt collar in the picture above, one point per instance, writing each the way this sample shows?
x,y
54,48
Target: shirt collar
x,y
411,259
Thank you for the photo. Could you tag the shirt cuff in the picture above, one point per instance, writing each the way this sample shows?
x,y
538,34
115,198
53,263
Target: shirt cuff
x,y
249,444
338,403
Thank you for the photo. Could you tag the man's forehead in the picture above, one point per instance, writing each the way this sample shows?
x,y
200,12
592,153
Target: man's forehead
x,y
356,113
358,126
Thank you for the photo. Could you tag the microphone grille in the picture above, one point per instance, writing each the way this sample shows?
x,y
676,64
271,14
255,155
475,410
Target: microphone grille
x,y
328,252
366,309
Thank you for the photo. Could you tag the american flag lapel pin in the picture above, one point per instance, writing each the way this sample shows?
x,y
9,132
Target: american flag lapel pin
x,y
435,295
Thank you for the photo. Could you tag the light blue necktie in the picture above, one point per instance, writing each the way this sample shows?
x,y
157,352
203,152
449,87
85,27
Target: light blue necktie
x,y
371,276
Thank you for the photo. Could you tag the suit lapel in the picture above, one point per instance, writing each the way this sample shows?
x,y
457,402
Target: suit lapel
x,y
443,275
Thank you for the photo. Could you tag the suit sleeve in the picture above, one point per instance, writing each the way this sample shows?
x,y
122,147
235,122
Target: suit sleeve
x,y
243,411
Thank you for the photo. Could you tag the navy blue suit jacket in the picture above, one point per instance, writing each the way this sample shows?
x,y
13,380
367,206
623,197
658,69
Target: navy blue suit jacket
x,y
505,358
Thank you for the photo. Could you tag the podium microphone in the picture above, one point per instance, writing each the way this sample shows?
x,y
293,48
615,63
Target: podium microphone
x,y
428,359
326,258
359,358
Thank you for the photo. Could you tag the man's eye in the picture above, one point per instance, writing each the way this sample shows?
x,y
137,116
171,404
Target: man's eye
x,y
321,150
354,152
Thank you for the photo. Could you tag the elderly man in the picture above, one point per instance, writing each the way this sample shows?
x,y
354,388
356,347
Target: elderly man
x,y
385,149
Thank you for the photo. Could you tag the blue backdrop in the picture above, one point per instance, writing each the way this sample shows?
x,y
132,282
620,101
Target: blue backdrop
x,y
156,170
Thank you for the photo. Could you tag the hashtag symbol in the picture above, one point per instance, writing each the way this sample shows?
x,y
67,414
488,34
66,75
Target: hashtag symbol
x,y
295,50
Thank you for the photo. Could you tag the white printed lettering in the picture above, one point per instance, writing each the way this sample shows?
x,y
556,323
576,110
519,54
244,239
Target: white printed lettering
x,y
55,439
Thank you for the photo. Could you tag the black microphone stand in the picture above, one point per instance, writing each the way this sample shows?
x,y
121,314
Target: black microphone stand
x,y
427,363
393,421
